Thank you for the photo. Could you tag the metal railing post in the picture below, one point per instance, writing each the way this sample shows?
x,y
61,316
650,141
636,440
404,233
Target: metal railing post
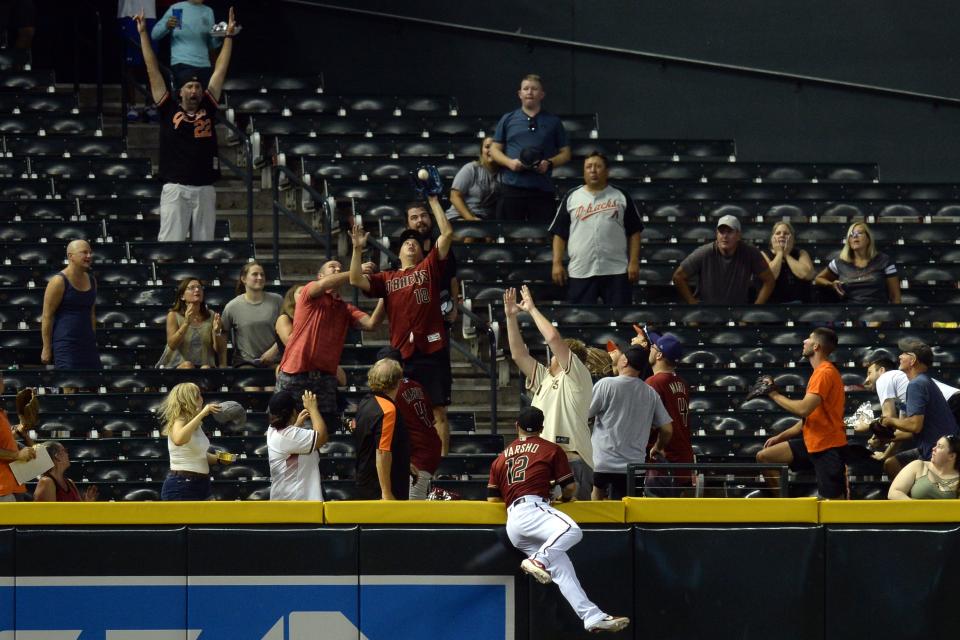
x,y
100,66
275,186
248,150
494,379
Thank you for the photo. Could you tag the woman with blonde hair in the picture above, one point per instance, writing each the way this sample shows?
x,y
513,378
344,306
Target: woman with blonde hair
x,y
861,274
183,412
792,268
473,195
194,334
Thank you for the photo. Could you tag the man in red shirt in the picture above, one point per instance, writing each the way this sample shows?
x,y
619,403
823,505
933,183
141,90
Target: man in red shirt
x,y
822,434
416,323
417,413
523,476
320,324
665,353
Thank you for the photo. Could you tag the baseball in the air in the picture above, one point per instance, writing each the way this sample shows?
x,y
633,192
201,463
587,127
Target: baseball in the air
x,y
423,174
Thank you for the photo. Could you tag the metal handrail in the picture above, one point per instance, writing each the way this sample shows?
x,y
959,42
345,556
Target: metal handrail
x,y
634,470
98,42
278,208
782,76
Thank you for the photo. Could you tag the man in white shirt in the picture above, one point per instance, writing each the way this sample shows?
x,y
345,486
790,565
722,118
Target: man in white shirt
x,y
292,449
562,390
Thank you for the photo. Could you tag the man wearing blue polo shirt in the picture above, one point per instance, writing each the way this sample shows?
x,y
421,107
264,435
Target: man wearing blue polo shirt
x,y
529,143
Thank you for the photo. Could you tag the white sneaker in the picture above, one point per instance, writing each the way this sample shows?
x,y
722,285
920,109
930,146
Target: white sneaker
x,y
610,623
536,569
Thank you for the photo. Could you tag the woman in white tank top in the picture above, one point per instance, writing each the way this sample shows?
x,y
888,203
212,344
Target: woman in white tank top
x,y
183,413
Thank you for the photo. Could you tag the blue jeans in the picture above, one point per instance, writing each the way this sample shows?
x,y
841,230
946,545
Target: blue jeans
x,y
183,488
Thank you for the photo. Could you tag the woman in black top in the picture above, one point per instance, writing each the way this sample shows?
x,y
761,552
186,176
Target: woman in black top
x,y
792,267
861,274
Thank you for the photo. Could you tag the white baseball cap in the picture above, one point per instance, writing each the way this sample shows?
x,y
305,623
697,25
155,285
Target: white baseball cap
x,y
729,221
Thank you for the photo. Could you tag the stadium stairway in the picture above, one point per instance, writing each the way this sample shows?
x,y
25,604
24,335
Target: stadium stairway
x,y
299,254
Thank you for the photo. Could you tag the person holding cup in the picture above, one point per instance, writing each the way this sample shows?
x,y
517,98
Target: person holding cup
x,y
188,24
183,412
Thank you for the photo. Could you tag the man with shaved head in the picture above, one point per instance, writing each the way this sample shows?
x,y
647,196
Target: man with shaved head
x,y
69,324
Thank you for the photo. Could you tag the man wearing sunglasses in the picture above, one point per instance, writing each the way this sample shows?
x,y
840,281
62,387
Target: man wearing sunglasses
x,y
529,142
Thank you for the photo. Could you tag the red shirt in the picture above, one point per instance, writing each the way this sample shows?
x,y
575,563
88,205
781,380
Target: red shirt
x,y
320,327
675,394
417,413
8,483
412,300
526,468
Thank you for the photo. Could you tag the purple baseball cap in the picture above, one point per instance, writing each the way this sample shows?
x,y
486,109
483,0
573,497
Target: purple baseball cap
x,y
667,343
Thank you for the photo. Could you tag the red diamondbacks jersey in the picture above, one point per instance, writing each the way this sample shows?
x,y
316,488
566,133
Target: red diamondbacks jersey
x,y
417,412
526,468
416,323
675,394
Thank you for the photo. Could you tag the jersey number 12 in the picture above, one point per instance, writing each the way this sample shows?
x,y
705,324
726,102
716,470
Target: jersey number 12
x,y
517,469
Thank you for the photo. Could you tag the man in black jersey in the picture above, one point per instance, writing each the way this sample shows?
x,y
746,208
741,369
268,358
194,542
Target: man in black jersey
x,y
189,163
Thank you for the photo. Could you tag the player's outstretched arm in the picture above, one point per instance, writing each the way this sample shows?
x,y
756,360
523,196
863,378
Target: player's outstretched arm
x,y
219,75
359,238
445,241
375,319
518,349
158,86
547,330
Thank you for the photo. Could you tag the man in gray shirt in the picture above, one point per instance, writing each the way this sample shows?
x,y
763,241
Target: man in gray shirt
x,y
625,409
723,269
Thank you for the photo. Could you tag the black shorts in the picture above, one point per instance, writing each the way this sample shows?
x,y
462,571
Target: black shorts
x,y
526,205
612,485
828,465
323,385
614,290
432,370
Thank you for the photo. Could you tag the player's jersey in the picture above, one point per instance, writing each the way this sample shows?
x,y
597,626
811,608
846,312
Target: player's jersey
x,y
412,295
675,394
527,468
417,413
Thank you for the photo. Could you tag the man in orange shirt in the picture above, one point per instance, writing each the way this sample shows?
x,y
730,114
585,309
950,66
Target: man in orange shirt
x,y
821,422
9,486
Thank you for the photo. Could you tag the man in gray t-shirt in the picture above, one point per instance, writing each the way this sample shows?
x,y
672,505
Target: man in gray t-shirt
x,y
724,269
625,409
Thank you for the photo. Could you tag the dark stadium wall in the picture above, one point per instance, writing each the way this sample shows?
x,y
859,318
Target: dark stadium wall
x,y
906,46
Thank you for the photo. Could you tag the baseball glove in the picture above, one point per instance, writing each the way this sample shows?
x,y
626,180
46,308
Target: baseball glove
x,y
882,432
762,387
598,362
28,408
432,186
